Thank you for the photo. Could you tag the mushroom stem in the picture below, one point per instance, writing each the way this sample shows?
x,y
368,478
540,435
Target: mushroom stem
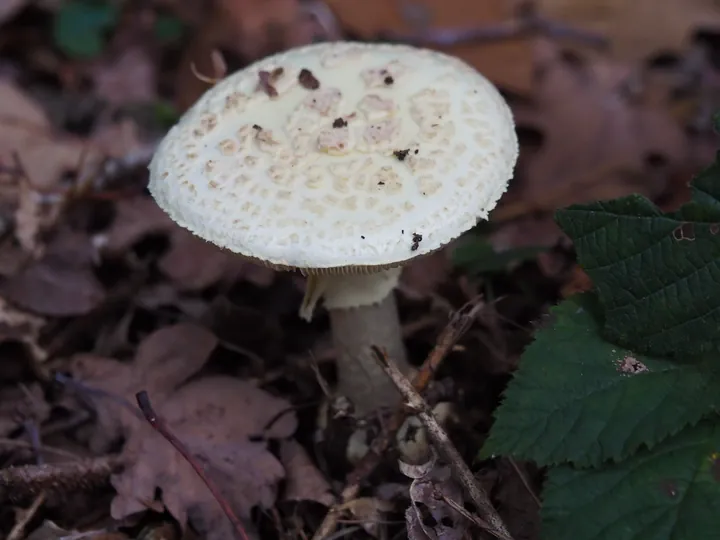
x,y
363,313
354,330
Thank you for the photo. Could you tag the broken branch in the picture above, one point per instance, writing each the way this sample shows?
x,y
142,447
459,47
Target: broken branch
x,y
18,484
444,446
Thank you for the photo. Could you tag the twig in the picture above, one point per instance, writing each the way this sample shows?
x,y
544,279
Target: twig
x,y
525,481
461,510
18,529
161,427
444,445
459,323
33,434
25,445
528,22
85,391
18,484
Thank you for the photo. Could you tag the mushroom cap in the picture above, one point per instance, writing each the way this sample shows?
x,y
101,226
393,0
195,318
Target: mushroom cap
x,y
338,157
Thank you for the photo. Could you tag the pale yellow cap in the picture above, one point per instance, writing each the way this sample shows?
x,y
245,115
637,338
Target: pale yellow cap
x,y
339,157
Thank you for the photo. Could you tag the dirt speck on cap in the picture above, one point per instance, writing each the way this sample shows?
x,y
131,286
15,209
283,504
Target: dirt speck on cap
x,y
631,366
268,79
307,80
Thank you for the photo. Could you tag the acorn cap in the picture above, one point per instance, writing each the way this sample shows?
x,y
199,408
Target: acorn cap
x,y
338,157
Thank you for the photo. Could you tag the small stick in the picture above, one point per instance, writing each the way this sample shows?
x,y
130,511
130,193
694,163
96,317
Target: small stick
x,y
25,445
24,482
444,445
18,529
458,325
525,481
161,427
84,391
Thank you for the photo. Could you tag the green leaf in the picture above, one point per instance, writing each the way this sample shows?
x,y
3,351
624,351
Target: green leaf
x,y
80,25
570,399
168,28
669,493
475,255
657,274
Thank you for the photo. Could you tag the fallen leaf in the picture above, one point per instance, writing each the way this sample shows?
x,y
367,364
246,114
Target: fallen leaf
x,y
249,29
194,264
637,29
45,155
164,360
61,283
8,8
304,481
127,78
190,262
18,405
215,417
508,63
429,516
528,232
612,152
80,26
425,274
517,506
135,218
20,326
120,139
579,282
50,531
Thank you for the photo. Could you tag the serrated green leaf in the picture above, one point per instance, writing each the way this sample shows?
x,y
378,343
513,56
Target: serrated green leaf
x,y
657,274
79,25
669,493
570,400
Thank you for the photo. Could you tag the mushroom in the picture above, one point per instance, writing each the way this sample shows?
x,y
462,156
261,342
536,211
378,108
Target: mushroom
x,y
391,153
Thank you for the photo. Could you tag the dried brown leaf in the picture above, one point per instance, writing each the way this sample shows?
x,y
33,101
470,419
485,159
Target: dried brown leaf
x,y
8,8
164,360
609,154
429,516
215,417
50,531
61,283
135,218
640,28
517,506
425,274
45,155
20,326
304,481
508,63
19,404
128,78
247,28
190,262
194,264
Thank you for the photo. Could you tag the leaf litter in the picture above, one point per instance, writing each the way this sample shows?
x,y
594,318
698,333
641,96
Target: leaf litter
x,y
102,296
204,415
164,360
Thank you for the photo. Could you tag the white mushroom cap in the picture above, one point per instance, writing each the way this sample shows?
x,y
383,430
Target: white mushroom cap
x,y
396,152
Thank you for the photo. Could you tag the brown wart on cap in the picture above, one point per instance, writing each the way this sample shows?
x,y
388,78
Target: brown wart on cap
x,y
416,239
307,80
339,123
268,79
401,154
